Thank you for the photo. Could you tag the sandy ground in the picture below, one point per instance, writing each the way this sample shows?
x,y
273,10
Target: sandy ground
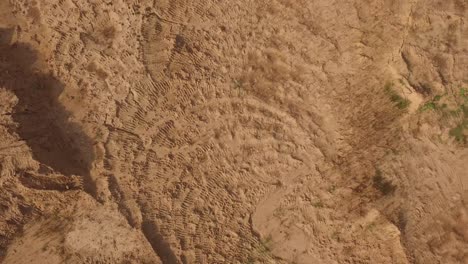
x,y
177,131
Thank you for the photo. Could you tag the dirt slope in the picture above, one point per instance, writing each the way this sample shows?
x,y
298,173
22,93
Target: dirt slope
x,y
176,131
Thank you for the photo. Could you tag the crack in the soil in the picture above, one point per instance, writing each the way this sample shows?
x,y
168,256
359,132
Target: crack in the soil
x,y
159,244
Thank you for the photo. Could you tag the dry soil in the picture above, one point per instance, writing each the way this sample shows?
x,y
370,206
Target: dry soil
x,y
234,131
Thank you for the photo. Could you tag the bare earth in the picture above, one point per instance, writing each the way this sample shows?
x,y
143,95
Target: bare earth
x,y
245,131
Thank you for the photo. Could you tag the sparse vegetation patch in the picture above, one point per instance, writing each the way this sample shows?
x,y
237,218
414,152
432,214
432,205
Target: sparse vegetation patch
x,y
459,112
383,185
399,101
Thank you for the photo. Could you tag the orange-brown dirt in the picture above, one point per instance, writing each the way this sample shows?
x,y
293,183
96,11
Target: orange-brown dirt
x,y
246,131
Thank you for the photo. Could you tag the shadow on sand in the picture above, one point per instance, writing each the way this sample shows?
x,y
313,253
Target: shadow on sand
x,y
42,122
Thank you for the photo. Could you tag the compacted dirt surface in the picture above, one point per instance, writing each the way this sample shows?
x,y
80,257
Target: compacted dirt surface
x,y
245,131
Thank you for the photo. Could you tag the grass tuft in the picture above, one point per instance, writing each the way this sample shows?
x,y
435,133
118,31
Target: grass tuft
x,y
458,132
460,113
433,104
400,102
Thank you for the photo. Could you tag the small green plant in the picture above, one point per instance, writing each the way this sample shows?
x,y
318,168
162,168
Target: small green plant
x,y
383,185
371,226
398,100
458,132
335,235
460,113
433,104
238,86
428,106
464,97
261,251
318,204
464,93
266,245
